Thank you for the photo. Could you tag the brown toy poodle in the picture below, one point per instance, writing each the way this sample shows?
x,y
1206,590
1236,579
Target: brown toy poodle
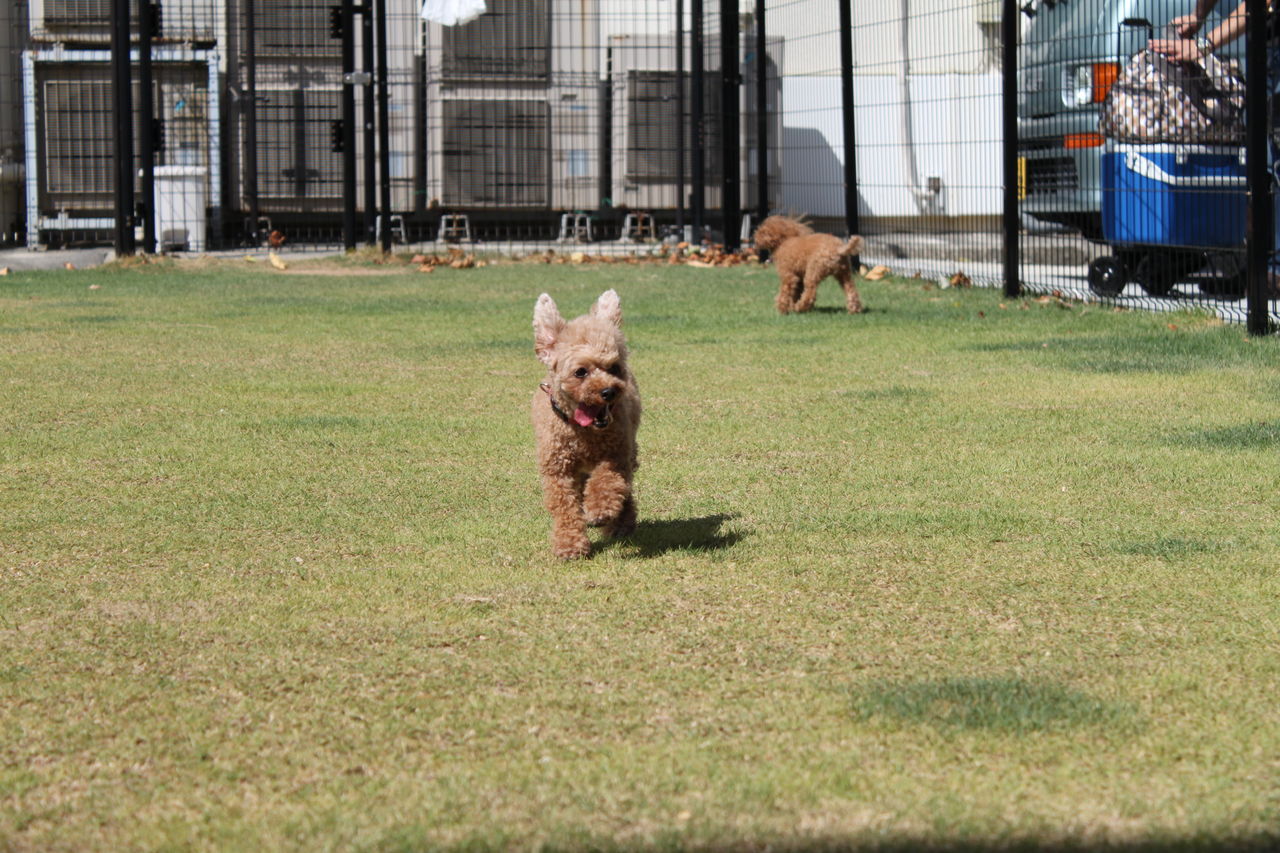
x,y
804,258
585,416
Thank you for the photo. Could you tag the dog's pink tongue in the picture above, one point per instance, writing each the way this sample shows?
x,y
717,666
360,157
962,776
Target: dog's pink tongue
x,y
584,416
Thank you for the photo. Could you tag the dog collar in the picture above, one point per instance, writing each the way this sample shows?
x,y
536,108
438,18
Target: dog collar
x,y
564,416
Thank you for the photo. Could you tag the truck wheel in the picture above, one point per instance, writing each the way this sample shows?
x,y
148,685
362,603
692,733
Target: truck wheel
x,y
1107,275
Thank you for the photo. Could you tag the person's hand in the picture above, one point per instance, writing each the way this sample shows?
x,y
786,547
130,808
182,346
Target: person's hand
x,y
1182,50
1186,25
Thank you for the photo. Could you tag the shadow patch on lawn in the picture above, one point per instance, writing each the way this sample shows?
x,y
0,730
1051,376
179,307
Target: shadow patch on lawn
x,y
1258,435
891,394
310,423
95,320
655,537
1155,352
1002,704
415,838
1167,547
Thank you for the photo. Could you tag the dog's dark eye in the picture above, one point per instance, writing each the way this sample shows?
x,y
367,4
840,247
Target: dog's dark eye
x,y
615,370
581,373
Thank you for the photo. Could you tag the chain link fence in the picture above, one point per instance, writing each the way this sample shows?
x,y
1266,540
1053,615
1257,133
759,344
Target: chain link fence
x,y
961,138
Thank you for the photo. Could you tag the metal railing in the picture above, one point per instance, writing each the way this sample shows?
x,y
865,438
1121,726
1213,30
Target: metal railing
x,y
959,137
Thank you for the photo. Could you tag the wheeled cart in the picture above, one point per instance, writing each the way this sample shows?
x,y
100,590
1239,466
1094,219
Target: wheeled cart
x,y
1170,210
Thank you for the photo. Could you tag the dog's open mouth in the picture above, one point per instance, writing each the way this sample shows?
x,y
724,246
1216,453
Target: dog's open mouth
x,y
596,416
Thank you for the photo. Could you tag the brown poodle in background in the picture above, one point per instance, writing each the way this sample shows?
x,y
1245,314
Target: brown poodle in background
x,y
585,416
804,258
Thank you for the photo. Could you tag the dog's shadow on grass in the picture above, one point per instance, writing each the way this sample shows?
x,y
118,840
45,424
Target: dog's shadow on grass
x,y
835,309
653,538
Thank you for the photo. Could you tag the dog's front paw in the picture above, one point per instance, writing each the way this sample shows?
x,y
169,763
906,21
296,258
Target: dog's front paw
x,y
604,499
571,547
625,524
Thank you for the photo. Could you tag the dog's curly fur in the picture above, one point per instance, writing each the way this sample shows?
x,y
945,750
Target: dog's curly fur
x,y
585,416
804,258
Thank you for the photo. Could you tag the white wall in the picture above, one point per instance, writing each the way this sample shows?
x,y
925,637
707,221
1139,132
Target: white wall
x,y
956,129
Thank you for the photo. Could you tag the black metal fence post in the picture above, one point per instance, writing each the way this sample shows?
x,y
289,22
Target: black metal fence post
x,y
848,118
348,17
762,115
122,82
1009,146
1261,213
730,123
680,88
147,142
368,125
250,106
384,128
697,130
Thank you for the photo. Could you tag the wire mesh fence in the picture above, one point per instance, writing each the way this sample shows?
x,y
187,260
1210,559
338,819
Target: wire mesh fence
x,y
617,124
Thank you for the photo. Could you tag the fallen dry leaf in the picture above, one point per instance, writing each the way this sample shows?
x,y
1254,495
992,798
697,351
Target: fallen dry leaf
x,y
69,265
876,273
4,270
276,262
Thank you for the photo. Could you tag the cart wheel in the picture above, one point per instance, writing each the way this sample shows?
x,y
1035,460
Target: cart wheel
x,y
1232,287
1107,275
1231,276
1157,273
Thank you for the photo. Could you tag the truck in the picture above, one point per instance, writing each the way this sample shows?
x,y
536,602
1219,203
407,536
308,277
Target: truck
x,y
1070,54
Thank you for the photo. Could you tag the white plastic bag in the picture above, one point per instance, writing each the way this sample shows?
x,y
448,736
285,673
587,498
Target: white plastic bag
x,y
452,12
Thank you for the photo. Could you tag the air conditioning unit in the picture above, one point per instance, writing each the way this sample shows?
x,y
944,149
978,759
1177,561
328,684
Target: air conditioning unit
x,y
75,117
299,86
298,170
295,29
648,128
89,21
513,108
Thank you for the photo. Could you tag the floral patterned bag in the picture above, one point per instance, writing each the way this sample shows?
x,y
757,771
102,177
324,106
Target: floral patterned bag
x,y
1157,99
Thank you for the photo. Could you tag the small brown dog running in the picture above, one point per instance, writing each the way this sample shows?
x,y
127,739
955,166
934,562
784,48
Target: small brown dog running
x,y
804,258
585,417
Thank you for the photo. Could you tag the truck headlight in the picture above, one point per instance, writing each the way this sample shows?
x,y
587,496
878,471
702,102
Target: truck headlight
x,y
1088,84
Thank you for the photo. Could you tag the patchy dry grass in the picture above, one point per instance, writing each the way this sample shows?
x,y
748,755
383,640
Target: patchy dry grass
x,y
957,573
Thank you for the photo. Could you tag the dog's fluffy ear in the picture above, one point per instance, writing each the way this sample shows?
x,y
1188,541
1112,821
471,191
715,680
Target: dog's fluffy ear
x,y
608,307
547,324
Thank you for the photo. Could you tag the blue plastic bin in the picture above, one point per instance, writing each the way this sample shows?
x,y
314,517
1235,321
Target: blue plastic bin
x,y
1174,195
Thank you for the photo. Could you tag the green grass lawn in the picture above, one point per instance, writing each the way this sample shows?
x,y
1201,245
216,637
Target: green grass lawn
x,y
958,572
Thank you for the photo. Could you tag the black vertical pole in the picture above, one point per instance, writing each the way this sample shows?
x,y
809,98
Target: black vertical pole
x,y
848,118
147,124
122,81
680,88
367,127
1009,150
731,123
698,176
1261,219
604,131
300,143
250,107
348,13
384,128
762,115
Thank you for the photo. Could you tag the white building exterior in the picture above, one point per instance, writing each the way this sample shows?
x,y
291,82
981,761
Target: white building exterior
x,y
927,104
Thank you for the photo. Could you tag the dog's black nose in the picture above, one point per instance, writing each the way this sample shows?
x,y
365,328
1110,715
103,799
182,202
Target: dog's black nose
x,y
608,394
